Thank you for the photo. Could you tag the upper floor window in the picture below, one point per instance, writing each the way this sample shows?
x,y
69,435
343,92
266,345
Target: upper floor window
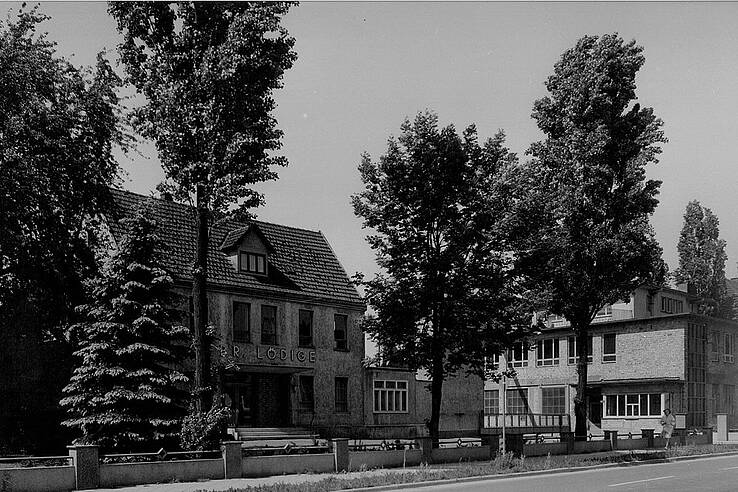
x,y
252,263
609,353
670,305
604,312
340,335
715,346
548,352
518,355
729,348
269,325
573,352
241,322
305,334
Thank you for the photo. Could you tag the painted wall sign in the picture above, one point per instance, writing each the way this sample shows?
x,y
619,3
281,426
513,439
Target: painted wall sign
x,y
268,354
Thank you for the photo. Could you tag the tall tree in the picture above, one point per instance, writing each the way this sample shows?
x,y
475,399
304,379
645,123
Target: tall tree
x,y
589,200
439,205
702,260
125,391
208,71
58,127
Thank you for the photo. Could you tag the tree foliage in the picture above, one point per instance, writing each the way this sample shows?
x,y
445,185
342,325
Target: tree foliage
x,y
589,200
439,204
126,390
208,71
702,260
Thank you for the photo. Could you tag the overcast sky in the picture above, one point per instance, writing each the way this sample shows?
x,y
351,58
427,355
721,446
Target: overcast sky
x,y
364,67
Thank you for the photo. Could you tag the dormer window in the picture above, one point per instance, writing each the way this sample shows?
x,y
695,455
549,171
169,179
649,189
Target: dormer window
x,y
252,263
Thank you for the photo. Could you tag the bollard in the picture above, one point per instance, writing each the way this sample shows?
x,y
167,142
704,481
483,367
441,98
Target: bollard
x,y
232,459
86,465
341,454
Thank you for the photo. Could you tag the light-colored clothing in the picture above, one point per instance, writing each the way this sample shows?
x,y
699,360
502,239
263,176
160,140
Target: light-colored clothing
x,y
668,422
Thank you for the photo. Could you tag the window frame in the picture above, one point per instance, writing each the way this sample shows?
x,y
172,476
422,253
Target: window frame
x,y
631,405
512,361
728,347
301,339
336,345
560,405
247,338
388,393
571,347
514,409
491,402
541,359
261,334
245,266
610,357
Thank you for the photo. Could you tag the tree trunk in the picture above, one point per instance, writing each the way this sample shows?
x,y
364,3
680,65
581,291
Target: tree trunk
x,y
580,400
200,307
436,397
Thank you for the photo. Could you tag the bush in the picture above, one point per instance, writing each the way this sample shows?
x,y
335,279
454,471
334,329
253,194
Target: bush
x,y
203,431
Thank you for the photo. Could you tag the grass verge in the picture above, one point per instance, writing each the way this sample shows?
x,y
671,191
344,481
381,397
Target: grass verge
x,y
503,464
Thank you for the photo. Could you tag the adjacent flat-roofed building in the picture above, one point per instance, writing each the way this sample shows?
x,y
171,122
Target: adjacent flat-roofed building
x,y
286,316
646,354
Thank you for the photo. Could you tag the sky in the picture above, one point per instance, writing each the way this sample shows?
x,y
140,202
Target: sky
x,y
365,67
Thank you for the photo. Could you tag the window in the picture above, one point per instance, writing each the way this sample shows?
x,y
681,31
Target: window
x,y
491,402
715,346
340,336
728,399
252,263
671,306
548,352
716,402
728,348
241,322
572,350
604,312
306,329
390,396
307,394
517,401
553,401
633,405
269,325
518,355
608,348
341,393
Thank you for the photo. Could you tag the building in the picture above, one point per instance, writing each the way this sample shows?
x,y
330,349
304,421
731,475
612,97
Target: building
x,y
285,312
646,354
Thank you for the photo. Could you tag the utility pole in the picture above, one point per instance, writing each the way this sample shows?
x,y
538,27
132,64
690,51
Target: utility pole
x,y
503,397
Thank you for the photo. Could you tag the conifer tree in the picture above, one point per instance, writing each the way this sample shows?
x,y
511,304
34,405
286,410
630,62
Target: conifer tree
x,y
126,390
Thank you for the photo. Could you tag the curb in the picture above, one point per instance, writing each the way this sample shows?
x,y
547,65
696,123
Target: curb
x,y
501,476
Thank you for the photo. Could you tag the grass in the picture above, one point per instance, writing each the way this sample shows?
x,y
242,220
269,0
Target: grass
x,y
502,464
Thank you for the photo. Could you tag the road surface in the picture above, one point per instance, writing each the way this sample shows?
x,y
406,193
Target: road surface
x,y
705,474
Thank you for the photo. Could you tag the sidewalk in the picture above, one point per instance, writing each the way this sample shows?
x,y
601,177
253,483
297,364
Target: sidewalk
x,y
643,456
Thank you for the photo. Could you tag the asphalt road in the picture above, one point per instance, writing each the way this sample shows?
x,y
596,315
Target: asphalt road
x,y
705,474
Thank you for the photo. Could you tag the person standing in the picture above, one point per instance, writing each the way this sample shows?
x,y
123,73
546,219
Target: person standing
x,y
668,421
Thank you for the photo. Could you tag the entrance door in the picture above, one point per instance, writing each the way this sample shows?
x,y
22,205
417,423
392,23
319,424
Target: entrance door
x,y
595,406
260,400
242,400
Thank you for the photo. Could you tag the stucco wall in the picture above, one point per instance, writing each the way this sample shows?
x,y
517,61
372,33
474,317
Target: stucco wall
x,y
123,474
266,466
37,479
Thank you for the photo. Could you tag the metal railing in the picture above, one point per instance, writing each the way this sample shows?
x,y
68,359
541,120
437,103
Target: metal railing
x,y
526,420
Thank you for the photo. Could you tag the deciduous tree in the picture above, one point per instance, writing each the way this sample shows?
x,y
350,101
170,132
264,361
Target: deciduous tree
x,y
439,205
207,71
589,201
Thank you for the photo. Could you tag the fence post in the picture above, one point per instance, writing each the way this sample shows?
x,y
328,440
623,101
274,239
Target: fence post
x,y
85,458
493,441
721,432
232,459
341,454
426,448
568,438
613,439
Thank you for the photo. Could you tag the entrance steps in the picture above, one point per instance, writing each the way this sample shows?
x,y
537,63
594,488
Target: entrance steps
x,y
273,436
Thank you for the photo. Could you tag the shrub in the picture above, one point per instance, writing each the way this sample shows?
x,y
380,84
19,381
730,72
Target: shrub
x,y
202,431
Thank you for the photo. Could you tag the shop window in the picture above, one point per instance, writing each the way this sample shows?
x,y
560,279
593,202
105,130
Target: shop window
x,y
553,401
241,322
269,325
341,394
609,348
728,348
572,350
390,396
307,393
633,405
306,329
491,402
340,335
518,355
252,263
517,401
548,352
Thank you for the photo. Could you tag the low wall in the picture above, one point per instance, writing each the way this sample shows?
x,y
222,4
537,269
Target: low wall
x,y
391,431
123,474
384,459
265,466
544,448
38,479
455,455
591,446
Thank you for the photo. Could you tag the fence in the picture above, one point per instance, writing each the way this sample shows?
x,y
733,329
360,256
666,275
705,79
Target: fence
x,y
527,421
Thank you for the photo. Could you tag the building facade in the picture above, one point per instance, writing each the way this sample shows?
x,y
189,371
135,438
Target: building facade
x,y
646,354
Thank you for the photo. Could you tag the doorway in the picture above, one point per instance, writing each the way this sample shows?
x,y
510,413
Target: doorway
x,y
259,400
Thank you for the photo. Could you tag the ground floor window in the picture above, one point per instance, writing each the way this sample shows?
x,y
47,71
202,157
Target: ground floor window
x,y
341,394
633,405
517,401
390,396
307,393
553,401
491,402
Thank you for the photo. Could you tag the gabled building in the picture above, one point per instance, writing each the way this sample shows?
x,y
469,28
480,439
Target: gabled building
x,y
285,313
648,353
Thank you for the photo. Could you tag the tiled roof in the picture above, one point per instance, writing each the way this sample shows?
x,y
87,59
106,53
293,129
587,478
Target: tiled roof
x,y
301,262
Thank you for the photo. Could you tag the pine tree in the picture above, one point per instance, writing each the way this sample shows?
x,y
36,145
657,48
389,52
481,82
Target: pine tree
x,y
702,260
126,392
